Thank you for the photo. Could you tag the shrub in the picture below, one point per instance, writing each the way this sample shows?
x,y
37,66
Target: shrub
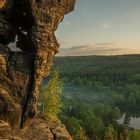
x,y
51,96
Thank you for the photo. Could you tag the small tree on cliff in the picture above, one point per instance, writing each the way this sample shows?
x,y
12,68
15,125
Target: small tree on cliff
x,y
51,96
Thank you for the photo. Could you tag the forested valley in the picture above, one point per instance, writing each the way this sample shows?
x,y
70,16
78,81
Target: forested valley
x,y
97,92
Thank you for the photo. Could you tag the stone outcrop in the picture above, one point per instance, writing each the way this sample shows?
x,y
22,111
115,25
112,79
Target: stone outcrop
x,y
31,23
37,130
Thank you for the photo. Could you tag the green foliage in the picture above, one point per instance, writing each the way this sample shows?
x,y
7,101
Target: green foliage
x,y
119,74
97,89
75,129
109,133
107,69
73,125
80,135
89,123
50,96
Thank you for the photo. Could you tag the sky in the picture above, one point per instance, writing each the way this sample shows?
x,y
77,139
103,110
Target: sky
x,y
101,27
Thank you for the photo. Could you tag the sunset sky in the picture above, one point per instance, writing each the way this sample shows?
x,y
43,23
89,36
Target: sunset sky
x,y
103,27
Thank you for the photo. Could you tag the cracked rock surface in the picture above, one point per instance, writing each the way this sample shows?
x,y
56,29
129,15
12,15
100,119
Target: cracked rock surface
x,y
31,24
37,130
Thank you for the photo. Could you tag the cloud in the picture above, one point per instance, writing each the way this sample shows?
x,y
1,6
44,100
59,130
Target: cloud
x,y
64,42
67,23
78,48
107,48
105,44
104,25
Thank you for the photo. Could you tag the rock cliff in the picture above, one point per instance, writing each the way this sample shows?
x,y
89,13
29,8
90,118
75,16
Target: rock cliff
x,y
31,23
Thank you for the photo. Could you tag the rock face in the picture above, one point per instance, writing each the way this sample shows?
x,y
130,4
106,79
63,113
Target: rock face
x,y
33,22
15,79
37,130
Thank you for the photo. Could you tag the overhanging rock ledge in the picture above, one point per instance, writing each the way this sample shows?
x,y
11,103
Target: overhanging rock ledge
x,y
31,23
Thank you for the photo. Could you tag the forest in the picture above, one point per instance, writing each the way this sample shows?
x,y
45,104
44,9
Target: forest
x,y
98,91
